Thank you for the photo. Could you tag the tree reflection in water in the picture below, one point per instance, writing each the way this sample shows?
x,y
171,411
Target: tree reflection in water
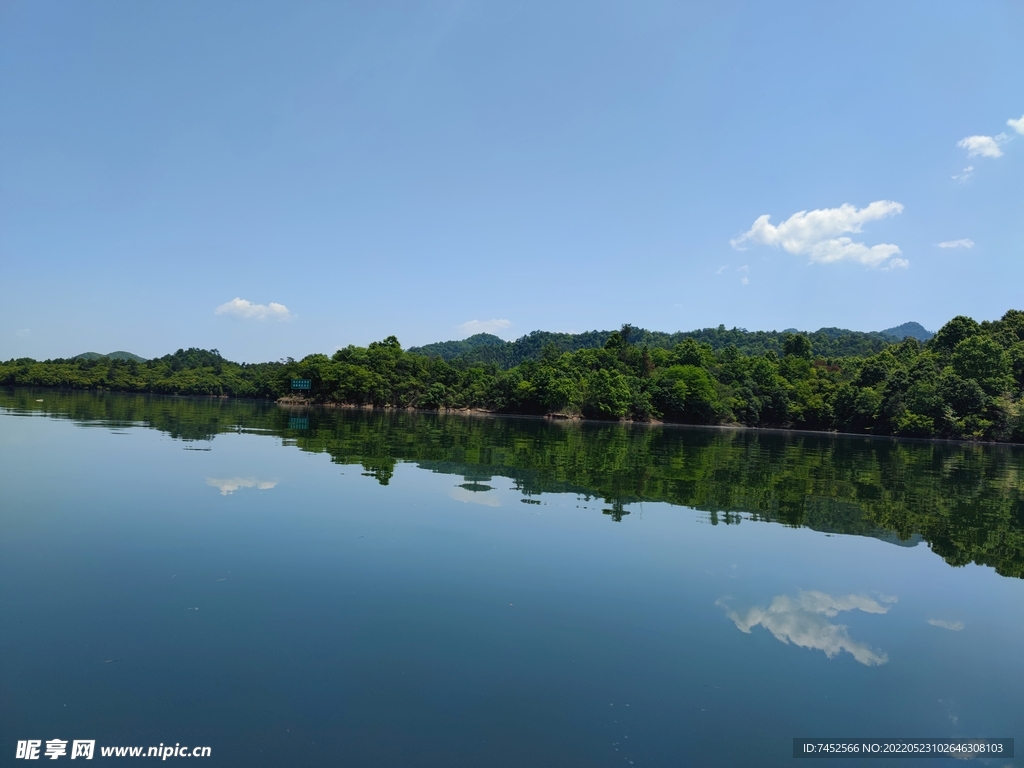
x,y
965,500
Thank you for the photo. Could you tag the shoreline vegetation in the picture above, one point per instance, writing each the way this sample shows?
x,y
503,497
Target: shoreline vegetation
x,y
966,382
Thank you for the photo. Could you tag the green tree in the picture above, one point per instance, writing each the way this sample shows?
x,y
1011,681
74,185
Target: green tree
x,y
952,333
797,344
982,359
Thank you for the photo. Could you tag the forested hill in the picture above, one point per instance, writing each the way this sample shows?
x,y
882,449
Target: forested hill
x,y
965,382
825,342
913,330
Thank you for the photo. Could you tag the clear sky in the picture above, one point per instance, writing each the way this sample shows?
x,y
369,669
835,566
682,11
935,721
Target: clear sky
x,y
275,179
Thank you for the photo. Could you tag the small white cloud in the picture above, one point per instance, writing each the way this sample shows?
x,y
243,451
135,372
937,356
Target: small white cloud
x,y
815,234
744,280
964,175
722,269
955,626
23,333
229,485
895,263
238,307
1017,125
962,243
471,327
983,146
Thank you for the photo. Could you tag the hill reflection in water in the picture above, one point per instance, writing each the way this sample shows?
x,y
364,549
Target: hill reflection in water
x,y
966,501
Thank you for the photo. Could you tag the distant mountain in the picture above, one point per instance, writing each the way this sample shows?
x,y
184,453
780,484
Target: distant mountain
x,y
489,349
449,350
913,330
112,356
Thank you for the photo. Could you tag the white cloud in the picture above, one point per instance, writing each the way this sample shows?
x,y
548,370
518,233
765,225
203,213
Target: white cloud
x,y
985,146
23,333
964,175
955,626
238,307
962,243
815,234
803,622
1017,125
895,263
722,269
471,327
744,280
229,485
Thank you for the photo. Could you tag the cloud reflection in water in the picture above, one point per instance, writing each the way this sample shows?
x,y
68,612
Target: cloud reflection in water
x,y
803,621
229,485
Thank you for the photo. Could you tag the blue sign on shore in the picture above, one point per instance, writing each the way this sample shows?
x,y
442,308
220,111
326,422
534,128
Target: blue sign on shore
x,y
302,384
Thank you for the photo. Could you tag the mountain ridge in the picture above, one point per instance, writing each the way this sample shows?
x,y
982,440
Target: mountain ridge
x,y
119,355
825,342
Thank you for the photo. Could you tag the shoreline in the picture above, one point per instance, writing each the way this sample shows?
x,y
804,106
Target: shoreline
x,y
555,417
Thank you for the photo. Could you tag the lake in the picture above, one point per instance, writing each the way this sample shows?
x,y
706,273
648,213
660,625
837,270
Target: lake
x,y
350,587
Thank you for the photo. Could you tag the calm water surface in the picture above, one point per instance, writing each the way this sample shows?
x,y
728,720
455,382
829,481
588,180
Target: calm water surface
x,y
353,588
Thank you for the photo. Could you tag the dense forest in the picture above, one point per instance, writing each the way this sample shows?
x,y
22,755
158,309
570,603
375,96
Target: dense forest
x,y
965,500
965,382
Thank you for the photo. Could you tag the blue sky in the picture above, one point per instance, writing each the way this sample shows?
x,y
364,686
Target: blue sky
x,y
275,179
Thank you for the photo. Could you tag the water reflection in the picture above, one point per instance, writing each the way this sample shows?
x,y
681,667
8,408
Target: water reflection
x,y
337,615
965,501
468,496
229,485
477,487
803,621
